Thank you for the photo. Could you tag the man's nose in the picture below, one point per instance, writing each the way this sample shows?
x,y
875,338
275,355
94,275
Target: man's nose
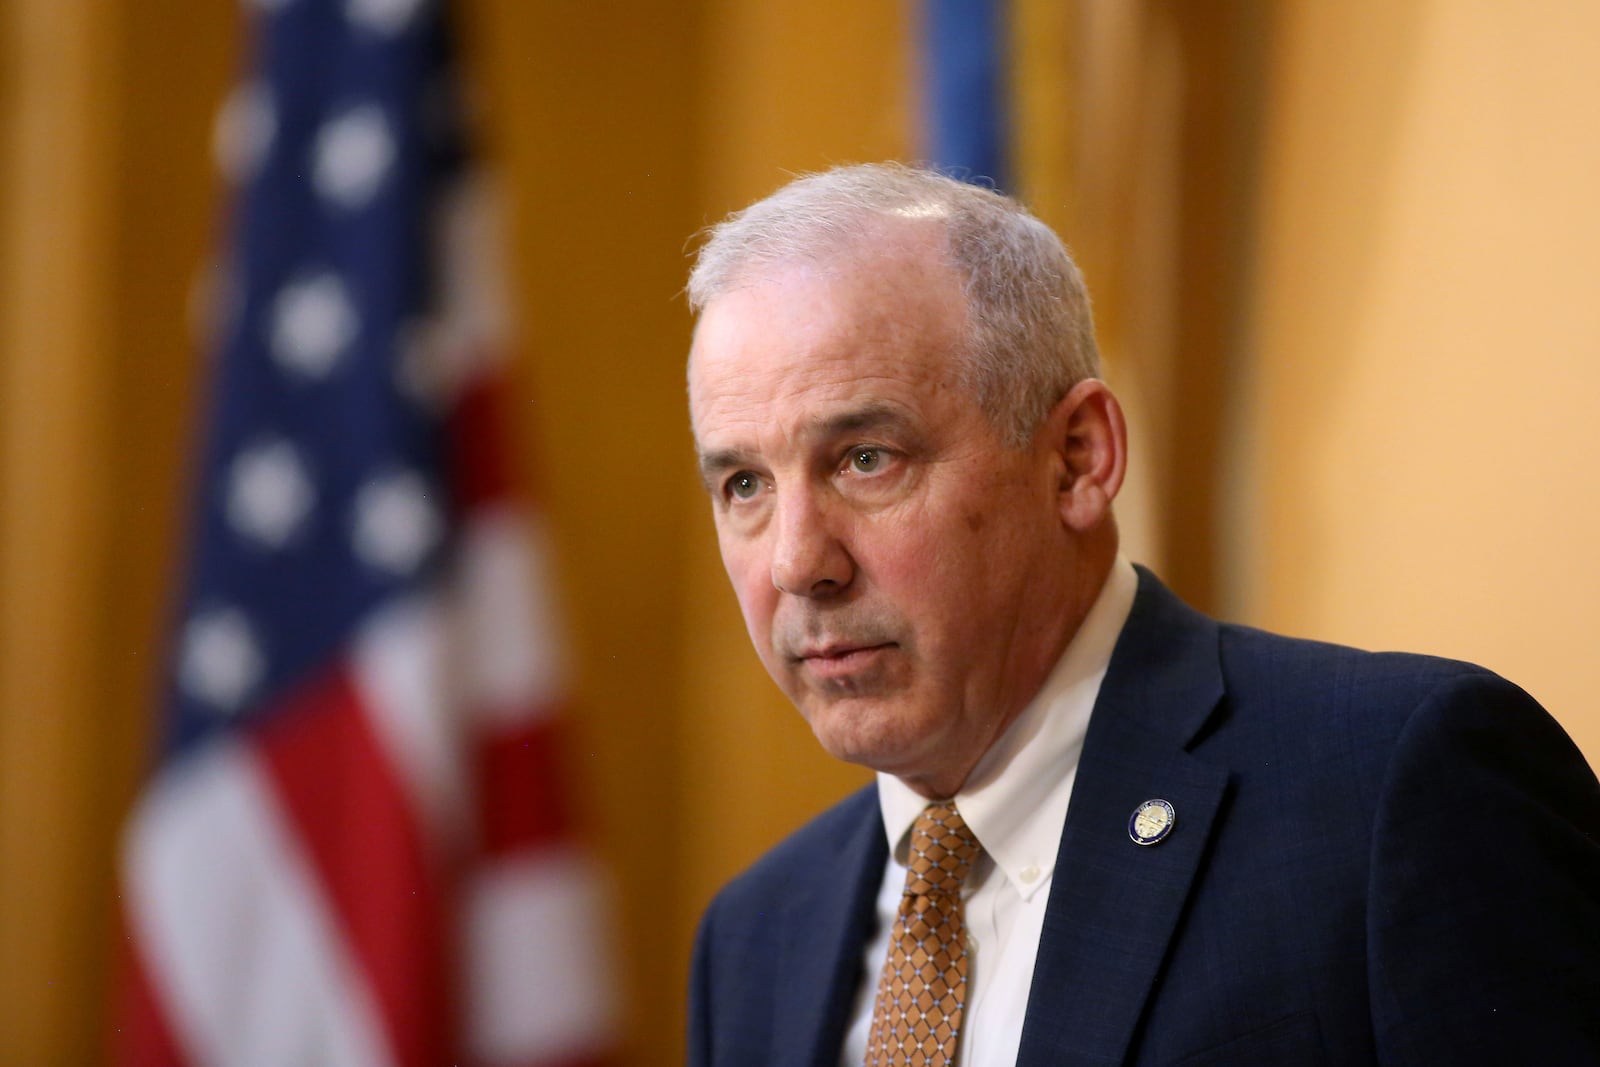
x,y
808,558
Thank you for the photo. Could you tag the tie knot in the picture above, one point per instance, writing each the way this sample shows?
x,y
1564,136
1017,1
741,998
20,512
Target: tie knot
x,y
942,850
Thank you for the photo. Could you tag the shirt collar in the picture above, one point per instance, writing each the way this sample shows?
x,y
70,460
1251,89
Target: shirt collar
x,y
1016,798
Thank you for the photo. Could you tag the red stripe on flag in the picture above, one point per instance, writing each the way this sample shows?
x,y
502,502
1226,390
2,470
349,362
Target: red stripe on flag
x,y
351,812
525,797
140,1035
481,468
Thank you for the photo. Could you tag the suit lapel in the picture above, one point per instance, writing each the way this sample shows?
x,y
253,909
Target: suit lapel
x,y
1114,904
824,931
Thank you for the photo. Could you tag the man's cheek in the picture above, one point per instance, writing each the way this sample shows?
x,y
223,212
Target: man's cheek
x,y
757,606
751,582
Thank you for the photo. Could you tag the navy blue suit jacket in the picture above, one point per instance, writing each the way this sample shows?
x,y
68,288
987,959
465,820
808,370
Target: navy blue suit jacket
x,y
1376,859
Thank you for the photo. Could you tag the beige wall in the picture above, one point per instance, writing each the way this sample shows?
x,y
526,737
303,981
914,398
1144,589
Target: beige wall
x,y
106,210
1416,456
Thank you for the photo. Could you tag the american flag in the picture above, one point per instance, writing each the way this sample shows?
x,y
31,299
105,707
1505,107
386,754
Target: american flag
x,y
356,847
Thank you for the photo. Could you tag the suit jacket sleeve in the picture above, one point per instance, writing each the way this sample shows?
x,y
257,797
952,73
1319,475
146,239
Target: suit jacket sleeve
x,y
1483,915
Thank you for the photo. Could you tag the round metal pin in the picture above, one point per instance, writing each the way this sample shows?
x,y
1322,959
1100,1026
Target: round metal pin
x,y
1151,822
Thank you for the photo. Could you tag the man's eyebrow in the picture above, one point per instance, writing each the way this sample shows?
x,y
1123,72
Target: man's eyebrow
x,y
864,419
723,459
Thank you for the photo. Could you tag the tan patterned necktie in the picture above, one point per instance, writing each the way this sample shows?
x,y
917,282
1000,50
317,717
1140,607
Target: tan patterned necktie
x,y
923,989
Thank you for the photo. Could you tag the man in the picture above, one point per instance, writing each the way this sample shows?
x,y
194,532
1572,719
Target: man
x,y
1105,829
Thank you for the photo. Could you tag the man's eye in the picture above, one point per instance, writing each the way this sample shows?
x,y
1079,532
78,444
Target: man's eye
x,y
743,486
865,460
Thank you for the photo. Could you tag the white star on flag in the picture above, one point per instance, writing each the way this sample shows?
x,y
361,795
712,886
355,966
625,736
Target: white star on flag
x,y
313,323
220,661
354,153
385,16
395,523
269,493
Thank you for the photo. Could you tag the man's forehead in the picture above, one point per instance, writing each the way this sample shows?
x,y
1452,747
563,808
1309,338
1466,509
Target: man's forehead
x,y
800,311
803,349
885,250
809,391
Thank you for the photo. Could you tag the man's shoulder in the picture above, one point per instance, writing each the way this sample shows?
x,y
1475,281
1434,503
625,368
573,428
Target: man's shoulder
x,y
786,928
1322,666
1272,676
1313,697
1164,629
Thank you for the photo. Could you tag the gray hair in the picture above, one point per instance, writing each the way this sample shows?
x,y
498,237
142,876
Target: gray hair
x,y
1031,333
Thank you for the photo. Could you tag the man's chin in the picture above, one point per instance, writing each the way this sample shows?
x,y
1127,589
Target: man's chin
x,y
870,733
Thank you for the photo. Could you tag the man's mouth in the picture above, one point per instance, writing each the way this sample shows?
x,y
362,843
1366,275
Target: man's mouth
x,y
838,660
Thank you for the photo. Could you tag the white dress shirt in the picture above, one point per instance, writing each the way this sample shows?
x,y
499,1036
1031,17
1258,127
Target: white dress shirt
x,y
1015,801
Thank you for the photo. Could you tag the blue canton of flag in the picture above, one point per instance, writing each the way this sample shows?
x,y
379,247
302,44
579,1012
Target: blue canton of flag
x,y
321,489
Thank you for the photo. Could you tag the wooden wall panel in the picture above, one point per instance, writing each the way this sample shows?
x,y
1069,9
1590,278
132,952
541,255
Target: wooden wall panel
x,y
1417,460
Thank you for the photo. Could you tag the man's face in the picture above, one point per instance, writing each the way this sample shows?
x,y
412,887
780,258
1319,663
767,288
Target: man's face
x,y
888,551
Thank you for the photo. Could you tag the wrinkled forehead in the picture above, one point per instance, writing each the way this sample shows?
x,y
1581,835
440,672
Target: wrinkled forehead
x,y
894,311
895,296
877,276
853,243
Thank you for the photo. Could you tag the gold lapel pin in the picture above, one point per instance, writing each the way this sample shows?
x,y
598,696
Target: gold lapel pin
x,y
1151,822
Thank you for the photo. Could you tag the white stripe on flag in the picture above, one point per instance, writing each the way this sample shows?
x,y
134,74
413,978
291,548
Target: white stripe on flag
x,y
401,675
538,977
235,937
515,656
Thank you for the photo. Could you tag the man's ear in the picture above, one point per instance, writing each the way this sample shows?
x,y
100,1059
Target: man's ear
x,y
1089,437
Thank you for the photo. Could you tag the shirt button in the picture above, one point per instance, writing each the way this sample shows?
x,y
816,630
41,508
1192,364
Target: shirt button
x,y
1030,874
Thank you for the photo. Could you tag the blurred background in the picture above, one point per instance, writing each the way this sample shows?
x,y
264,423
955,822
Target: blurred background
x,y
1343,257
